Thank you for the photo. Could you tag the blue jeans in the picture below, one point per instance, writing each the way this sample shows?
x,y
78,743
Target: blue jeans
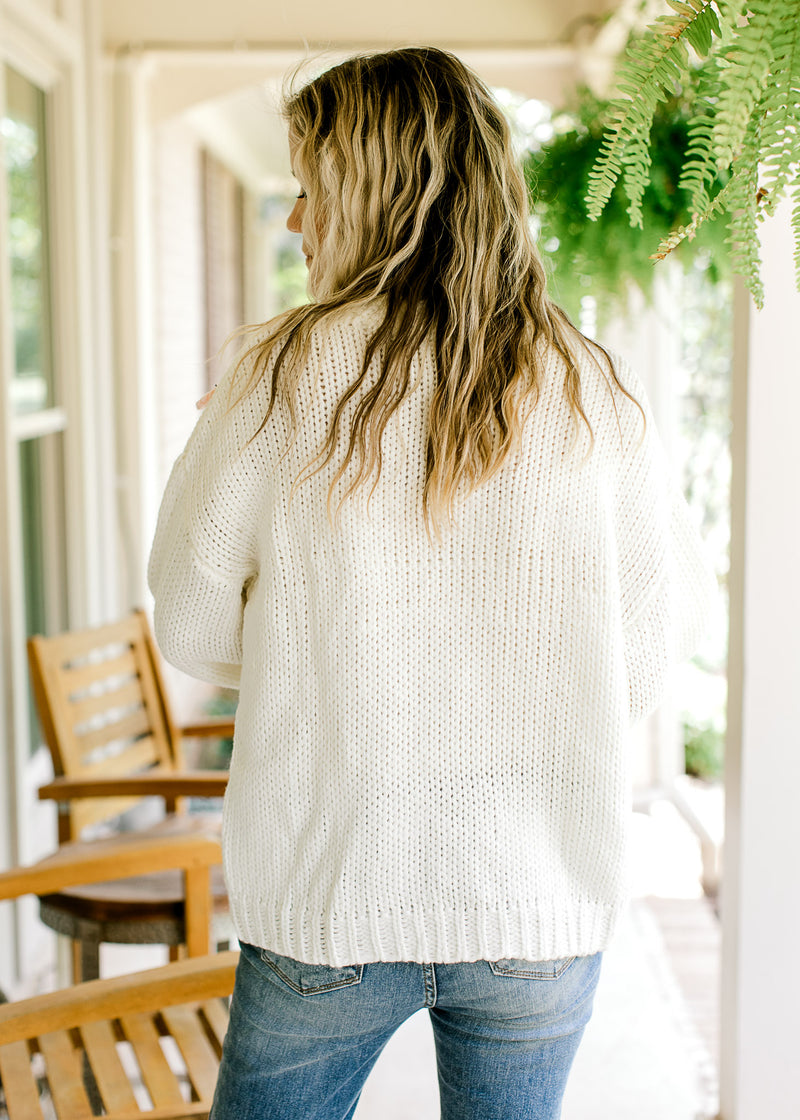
x,y
303,1038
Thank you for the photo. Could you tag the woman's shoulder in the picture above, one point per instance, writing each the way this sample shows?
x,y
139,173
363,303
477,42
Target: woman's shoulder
x,y
599,367
612,395
355,321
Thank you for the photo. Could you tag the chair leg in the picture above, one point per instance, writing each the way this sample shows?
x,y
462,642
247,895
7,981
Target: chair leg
x,y
75,955
85,961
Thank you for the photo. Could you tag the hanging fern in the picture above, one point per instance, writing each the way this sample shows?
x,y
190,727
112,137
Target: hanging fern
x,y
746,122
744,75
651,71
699,168
743,203
779,112
607,258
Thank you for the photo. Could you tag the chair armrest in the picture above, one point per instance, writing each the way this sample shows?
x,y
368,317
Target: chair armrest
x,y
119,857
197,979
184,783
221,728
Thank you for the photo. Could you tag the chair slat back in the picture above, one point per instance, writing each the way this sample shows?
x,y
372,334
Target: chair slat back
x,y
102,710
143,1035
19,1083
100,1044
65,1075
83,812
156,1056
146,1064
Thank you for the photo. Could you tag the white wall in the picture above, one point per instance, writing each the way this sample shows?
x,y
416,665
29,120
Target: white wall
x,y
761,900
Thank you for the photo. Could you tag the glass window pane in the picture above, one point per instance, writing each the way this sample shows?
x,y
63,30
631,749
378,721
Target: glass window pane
x,y
24,142
41,471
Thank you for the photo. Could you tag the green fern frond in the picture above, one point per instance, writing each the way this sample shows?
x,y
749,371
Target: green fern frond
x,y
673,240
651,70
700,169
744,205
780,107
796,229
746,73
746,120
730,12
744,250
701,31
717,205
700,165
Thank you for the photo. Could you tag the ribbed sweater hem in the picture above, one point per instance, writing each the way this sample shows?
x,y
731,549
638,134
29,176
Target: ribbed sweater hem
x,y
548,931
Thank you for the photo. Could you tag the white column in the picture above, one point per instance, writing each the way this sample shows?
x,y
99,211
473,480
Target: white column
x,y
101,565
761,900
133,301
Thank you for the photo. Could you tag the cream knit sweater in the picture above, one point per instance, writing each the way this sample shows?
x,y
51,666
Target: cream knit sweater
x,y
430,752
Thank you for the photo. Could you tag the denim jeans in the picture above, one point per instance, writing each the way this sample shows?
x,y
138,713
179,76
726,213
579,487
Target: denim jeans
x,y
303,1038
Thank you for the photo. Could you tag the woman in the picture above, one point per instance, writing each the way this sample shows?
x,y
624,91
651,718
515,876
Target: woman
x,y
426,528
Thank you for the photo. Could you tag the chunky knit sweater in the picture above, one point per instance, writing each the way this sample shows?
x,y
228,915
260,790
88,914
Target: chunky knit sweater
x,y
429,761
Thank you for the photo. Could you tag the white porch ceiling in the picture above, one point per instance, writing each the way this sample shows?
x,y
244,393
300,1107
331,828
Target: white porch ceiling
x,y
318,23
223,63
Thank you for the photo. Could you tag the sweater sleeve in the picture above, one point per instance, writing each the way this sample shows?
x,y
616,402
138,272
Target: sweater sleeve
x,y
666,581
203,553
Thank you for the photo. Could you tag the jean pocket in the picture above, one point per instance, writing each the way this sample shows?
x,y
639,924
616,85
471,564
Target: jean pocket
x,y
531,970
311,979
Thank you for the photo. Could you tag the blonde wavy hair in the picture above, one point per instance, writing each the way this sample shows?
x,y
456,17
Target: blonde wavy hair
x,y
414,195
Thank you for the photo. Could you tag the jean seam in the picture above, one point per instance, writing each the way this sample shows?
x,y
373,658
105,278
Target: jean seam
x,y
318,989
531,974
429,982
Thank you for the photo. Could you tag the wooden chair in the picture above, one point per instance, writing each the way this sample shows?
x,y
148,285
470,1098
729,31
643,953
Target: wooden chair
x,y
105,717
147,1044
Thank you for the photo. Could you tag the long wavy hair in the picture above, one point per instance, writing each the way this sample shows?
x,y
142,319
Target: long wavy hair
x,y
415,196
